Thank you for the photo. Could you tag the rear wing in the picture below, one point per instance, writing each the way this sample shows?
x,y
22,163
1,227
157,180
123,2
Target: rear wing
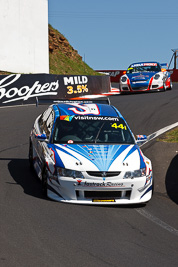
x,y
60,101
164,65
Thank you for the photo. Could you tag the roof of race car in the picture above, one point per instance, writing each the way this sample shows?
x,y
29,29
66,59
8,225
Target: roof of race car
x,y
85,109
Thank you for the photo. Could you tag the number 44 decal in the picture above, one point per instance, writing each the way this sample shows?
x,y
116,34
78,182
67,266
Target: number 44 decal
x,y
121,126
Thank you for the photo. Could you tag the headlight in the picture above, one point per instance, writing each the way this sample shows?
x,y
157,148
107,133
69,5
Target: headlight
x,y
69,173
157,76
123,79
135,174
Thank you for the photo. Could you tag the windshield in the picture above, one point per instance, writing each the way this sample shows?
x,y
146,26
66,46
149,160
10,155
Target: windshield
x,y
144,67
86,129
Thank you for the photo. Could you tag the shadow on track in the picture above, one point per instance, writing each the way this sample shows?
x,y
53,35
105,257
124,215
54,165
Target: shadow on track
x,y
171,181
22,174
20,171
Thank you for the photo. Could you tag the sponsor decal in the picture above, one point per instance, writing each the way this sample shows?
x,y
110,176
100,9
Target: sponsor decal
x,y
102,184
66,118
143,64
103,200
96,118
140,76
79,181
150,64
85,109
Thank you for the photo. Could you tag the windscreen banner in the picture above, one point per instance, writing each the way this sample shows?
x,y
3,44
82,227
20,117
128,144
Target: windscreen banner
x,y
21,89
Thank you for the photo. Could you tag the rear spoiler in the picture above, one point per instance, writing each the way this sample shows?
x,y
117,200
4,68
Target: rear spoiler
x,y
164,64
58,101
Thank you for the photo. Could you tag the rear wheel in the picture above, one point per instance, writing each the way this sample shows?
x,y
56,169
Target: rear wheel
x,y
30,155
44,182
170,88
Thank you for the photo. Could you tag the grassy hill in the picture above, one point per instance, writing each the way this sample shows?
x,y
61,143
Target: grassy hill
x,y
63,58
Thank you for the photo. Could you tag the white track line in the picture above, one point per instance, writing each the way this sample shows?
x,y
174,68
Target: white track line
x,y
156,220
159,132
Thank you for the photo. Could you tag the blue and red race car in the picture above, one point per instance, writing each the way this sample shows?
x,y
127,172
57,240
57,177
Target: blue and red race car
x,y
145,76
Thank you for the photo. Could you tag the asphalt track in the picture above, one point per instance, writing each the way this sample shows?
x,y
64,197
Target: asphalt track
x,y
35,231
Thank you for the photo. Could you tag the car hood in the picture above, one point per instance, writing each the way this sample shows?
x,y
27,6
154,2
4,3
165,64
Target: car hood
x,y
95,157
140,76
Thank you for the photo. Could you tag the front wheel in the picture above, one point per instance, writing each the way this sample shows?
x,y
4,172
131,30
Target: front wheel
x,y
164,87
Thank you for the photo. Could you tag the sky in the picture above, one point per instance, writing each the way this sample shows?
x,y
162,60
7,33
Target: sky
x,y
112,34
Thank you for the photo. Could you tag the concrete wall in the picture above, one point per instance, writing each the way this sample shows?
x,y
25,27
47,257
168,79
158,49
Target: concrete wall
x,y
24,36
174,75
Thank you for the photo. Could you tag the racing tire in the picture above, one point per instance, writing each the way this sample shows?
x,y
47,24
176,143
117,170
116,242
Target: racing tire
x,y
170,88
164,87
30,155
44,182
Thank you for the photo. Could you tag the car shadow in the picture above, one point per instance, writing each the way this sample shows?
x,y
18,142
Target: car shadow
x,y
171,181
22,174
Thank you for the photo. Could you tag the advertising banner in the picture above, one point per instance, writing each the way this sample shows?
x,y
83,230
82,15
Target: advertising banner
x,y
20,89
114,74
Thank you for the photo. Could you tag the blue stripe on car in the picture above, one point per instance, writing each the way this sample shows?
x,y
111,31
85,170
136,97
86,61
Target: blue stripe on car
x,y
150,188
102,156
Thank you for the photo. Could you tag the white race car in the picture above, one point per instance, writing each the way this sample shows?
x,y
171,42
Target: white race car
x,y
84,152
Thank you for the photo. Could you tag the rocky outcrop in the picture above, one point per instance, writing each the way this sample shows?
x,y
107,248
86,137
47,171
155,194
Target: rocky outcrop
x,y
58,43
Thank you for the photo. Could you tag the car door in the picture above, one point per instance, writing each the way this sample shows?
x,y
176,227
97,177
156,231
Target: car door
x,y
45,124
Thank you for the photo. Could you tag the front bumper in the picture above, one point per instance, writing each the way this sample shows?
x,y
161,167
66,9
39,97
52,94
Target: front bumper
x,y
135,89
152,85
97,191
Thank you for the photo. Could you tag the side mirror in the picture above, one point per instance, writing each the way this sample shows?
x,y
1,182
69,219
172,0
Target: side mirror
x,y
41,137
140,139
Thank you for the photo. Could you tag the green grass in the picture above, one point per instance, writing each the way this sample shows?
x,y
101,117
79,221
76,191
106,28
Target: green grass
x,y
60,64
64,59
5,72
170,137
